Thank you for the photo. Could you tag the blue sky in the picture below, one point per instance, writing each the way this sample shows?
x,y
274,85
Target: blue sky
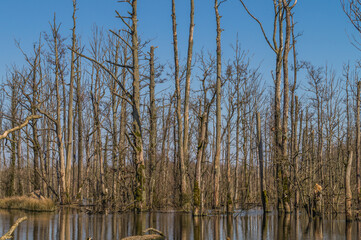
x,y
322,23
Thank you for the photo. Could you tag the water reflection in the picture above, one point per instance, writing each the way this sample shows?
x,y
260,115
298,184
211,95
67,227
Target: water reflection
x,y
72,224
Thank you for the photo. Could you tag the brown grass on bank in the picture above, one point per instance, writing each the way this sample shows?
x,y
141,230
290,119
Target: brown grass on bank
x,y
28,203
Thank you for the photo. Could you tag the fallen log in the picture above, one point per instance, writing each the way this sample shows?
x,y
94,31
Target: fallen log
x,y
8,235
158,236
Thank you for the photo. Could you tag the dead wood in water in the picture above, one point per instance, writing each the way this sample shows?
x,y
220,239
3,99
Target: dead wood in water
x,y
8,235
159,235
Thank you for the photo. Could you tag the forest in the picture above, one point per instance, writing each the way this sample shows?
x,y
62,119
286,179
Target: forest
x,y
87,125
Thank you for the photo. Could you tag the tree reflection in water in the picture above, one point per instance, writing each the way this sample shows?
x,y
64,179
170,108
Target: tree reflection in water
x,y
72,224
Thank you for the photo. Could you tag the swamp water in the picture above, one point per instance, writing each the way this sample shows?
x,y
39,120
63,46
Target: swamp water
x,y
72,224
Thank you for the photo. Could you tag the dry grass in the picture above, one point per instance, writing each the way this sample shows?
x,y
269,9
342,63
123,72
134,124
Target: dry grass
x,y
28,203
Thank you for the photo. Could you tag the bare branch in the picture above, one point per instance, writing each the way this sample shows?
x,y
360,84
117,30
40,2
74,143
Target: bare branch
x,y
260,24
7,132
121,38
108,71
123,20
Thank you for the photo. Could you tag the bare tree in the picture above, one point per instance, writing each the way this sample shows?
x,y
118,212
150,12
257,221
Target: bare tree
x,y
217,156
281,49
203,117
69,144
153,128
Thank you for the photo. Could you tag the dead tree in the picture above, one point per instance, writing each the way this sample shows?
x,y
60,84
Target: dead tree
x,y
282,13
136,138
153,128
217,155
183,126
69,144
264,194
205,104
353,12
55,44
179,142
348,193
358,139
79,111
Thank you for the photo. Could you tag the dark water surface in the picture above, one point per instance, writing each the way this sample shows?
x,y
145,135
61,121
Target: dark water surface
x,y
72,224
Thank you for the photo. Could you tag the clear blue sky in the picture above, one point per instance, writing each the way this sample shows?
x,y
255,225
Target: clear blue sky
x,y
322,22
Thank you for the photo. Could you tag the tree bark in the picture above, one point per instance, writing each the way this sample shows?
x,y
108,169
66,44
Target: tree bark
x,y
285,178
180,142
217,155
79,109
185,198
348,193
357,150
140,192
153,129
197,191
64,198
264,194
229,199
69,148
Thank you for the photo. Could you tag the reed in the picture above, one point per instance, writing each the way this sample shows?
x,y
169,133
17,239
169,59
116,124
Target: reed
x,y
28,203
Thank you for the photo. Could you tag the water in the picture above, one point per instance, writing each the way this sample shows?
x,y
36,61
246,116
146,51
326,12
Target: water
x,y
72,224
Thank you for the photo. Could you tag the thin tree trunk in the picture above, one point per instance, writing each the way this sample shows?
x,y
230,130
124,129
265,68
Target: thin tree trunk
x,y
123,120
140,192
59,132
80,98
115,146
35,100
348,193
197,191
264,194
180,142
238,122
296,150
217,155
69,148
153,129
185,198
277,112
13,109
285,178
229,199
357,150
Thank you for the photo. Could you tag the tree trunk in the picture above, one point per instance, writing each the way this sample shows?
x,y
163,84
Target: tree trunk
x,y
79,106
140,191
285,162
217,155
59,131
180,142
277,120
185,198
69,148
357,150
153,129
197,191
264,194
229,199
11,186
115,147
348,193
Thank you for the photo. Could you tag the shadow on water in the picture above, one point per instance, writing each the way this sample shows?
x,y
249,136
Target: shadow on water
x,y
72,224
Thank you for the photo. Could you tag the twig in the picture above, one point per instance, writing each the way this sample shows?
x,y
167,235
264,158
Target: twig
x,y
259,23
